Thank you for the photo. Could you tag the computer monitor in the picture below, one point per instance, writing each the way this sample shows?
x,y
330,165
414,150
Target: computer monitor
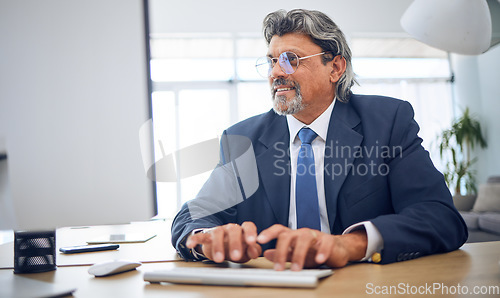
x,y
74,92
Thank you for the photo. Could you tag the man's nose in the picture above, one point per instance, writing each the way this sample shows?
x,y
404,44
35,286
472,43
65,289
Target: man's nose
x,y
277,72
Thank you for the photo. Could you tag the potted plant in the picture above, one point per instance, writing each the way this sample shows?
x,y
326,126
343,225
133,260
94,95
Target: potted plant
x,y
456,144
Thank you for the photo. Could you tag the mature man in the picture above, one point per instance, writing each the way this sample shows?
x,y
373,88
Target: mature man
x,y
342,177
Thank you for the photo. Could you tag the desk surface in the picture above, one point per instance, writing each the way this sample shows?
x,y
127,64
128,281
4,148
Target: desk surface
x,y
474,267
158,249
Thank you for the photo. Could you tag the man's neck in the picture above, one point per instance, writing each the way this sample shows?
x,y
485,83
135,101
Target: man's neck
x,y
308,115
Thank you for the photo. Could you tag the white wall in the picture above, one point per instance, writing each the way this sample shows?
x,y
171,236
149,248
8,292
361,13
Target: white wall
x,y
477,87
489,78
354,17
73,94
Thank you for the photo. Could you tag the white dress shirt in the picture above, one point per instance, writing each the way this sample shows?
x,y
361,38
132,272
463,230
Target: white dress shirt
x,y
320,127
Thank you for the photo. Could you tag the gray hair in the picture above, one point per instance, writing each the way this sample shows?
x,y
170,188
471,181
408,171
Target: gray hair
x,y
323,31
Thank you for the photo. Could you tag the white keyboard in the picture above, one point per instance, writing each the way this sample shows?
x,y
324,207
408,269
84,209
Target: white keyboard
x,y
307,278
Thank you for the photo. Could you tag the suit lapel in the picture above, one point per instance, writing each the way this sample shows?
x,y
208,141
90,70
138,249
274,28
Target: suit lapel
x,y
341,143
273,161
274,167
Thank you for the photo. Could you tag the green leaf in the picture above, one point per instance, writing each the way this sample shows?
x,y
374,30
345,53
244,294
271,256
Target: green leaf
x,y
455,147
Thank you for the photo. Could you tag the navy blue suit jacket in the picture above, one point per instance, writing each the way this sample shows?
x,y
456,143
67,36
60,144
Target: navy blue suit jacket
x,y
375,169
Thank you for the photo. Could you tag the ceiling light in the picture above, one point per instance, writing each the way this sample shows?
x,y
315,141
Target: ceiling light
x,y
458,26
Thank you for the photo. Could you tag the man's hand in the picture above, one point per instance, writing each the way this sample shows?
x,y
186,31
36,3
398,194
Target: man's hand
x,y
228,242
311,248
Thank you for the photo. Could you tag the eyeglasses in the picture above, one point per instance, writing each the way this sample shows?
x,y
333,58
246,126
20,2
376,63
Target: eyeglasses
x,y
288,62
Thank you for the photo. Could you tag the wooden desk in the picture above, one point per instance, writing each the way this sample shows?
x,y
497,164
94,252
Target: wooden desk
x,y
157,249
475,266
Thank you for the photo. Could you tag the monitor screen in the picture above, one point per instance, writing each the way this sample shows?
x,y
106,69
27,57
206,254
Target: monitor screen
x,y
73,95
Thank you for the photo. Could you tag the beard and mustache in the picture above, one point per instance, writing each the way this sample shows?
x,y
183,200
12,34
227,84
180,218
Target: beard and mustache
x,y
282,105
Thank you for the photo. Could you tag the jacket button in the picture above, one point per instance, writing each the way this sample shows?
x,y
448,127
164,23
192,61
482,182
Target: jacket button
x,y
376,257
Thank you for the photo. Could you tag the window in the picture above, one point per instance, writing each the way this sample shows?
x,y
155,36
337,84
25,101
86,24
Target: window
x,y
408,70
202,85
205,83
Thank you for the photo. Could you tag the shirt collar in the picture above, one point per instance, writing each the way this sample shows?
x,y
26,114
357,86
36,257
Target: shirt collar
x,y
319,125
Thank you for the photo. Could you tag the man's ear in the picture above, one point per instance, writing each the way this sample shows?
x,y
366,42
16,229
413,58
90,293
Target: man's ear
x,y
338,68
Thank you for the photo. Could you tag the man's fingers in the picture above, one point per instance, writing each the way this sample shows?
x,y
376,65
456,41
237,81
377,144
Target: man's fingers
x,y
249,232
270,255
217,235
233,232
254,251
305,239
197,239
249,237
232,242
281,253
271,233
324,249
283,248
303,247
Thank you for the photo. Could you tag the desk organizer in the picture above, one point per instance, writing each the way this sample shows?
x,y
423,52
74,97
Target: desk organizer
x,y
34,251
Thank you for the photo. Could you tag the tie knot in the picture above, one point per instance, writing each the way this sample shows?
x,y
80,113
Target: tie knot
x,y
307,135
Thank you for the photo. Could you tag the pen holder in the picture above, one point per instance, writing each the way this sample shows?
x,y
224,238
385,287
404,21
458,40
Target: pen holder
x,y
34,251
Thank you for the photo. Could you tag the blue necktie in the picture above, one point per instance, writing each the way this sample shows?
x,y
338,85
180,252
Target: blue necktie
x,y
306,194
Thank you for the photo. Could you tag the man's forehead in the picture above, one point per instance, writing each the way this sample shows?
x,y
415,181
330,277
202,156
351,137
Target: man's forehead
x,y
293,42
278,51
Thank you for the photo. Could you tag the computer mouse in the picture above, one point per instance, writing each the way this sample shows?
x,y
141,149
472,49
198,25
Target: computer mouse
x,y
112,267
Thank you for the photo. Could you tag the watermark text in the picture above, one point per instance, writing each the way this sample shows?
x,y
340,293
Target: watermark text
x,y
430,289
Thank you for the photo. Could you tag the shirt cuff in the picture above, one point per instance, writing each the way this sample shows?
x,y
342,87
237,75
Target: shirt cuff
x,y
375,240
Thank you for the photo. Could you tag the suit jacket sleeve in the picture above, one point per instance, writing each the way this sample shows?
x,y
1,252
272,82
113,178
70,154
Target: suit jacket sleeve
x,y
425,220
213,206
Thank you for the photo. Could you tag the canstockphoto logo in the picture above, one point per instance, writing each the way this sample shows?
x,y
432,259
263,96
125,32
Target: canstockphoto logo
x,y
163,166
234,176
234,180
